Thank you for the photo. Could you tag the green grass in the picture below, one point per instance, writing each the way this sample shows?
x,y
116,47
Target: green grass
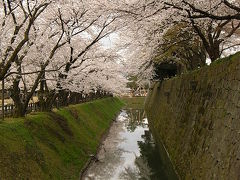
x,y
134,102
232,57
54,145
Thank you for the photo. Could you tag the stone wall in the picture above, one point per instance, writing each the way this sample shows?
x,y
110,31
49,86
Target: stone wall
x,y
197,118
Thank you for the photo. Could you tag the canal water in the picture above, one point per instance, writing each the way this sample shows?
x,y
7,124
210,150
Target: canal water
x,y
129,152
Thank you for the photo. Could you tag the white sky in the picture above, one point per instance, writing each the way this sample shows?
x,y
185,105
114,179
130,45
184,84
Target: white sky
x,y
109,41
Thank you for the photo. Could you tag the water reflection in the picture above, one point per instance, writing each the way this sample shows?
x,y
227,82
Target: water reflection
x,y
136,118
128,152
149,153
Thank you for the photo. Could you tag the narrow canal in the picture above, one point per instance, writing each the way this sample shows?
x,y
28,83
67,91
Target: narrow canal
x,y
128,152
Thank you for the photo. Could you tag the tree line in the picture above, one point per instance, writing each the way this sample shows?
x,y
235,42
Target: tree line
x,y
181,32
60,47
56,48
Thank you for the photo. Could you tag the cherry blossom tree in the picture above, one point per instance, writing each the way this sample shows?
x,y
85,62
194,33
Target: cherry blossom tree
x,y
83,32
17,20
55,47
213,33
231,10
64,39
147,22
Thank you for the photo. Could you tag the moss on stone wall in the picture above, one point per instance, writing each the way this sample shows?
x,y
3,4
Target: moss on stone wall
x,y
196,116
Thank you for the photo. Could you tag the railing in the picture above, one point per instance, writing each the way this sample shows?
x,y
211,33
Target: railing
x,y
9,109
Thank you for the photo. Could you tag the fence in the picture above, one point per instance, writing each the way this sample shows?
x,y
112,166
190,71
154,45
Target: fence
x,y
9,110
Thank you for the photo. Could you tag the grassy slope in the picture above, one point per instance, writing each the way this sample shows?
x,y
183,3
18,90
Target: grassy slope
x,y
54,145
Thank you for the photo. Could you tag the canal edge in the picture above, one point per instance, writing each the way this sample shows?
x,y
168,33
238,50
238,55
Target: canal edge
x,y
103,138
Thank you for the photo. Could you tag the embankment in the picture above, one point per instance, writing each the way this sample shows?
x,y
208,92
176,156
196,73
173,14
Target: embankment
x,y
197,118
54,145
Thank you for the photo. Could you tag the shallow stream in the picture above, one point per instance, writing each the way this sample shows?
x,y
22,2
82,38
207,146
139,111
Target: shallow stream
x,y
128,152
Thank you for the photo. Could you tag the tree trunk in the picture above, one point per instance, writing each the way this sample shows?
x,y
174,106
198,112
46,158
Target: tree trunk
x,y
63,97
47,100
42,103
15,94
3,88
20,110
214,54
214,50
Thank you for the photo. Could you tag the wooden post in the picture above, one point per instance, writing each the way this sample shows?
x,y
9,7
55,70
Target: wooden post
x,y
3,100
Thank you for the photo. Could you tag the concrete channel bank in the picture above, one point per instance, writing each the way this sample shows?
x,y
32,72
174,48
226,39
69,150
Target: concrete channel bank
x,y
197,118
